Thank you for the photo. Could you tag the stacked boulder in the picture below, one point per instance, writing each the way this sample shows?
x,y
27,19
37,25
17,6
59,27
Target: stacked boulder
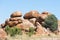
x,y
14,19
32,16
29,20
36,18
17,21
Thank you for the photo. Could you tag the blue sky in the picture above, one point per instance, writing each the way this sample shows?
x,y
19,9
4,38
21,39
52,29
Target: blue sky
x,y
9,6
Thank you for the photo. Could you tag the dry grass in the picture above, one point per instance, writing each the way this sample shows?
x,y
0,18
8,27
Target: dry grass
x,y
26,37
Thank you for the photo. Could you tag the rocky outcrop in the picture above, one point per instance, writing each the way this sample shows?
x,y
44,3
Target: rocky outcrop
x,y
25,25
14,19
30,19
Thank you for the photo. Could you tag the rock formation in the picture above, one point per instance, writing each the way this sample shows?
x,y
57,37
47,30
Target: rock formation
x,y
30,19
14,19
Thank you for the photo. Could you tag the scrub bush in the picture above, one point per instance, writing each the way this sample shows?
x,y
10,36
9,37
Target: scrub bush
x,y
13,31
51,22
31,31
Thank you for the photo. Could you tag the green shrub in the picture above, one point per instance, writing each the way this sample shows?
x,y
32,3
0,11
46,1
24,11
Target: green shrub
x,y
51,22
12,31
31,31
7,29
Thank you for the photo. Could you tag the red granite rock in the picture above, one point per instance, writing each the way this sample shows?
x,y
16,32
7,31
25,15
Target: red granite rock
x,y
16,14
3,35
31,14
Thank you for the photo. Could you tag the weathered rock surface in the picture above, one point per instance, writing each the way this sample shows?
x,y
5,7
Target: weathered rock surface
x,y
15,18
3,35
41,30
33,20
31,14
44,15
25,25
16,14
12,23
47,13
3,25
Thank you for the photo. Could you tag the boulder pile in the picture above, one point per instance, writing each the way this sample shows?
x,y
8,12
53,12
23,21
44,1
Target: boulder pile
x,y
14,19
31,19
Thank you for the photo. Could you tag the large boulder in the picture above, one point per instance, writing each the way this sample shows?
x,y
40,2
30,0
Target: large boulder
x,y
31,14
11,23
3,25
25,25
16,19
3,35
41,30
19,19
33,20
46,12
42,17
16,14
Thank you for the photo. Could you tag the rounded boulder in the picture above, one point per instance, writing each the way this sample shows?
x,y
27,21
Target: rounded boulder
x,y
31,14
16,14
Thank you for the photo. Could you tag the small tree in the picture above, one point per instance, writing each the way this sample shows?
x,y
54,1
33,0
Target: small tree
x,y
51,22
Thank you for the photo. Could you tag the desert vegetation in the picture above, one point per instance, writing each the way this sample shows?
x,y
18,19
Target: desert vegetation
x,y
31,31
51,22
13,31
